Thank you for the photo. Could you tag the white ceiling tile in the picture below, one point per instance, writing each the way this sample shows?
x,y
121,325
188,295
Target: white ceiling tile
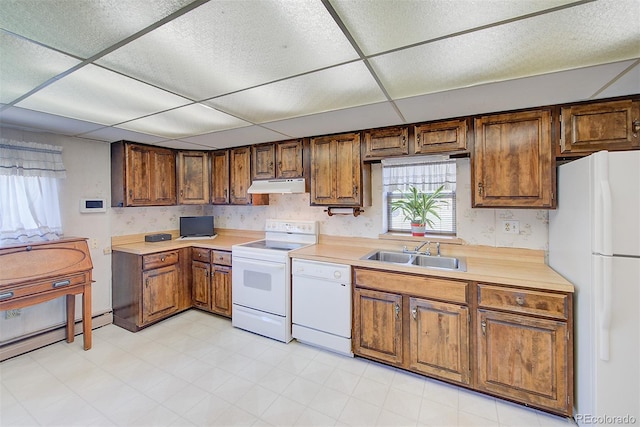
x,y
26,65
594,33
365,117
35,120
95,94
379,26
82,28
335,88
548,89
236,137
231,45
112,134
184,121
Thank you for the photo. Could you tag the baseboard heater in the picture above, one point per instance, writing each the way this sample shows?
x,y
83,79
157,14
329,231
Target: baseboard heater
x,y
49,336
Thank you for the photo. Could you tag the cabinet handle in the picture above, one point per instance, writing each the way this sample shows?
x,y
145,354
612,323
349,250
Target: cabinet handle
x,y
61,283
206,273
414,313
404,142
355,191
397,311
181,193
520,301
483,325
480,188
146,282
163,259
636,128
6,295
130,193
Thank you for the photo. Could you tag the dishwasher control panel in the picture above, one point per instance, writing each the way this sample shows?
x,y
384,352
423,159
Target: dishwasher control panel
x,y
321,270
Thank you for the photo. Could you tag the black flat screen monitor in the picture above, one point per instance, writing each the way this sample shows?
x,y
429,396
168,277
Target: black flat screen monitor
x,y
196,226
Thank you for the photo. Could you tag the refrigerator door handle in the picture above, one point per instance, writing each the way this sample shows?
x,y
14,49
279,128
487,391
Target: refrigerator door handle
x,y
607,225
605,279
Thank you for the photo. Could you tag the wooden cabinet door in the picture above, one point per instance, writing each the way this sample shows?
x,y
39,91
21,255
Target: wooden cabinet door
x,y
164,177
159,292
263,161
220,177
240,178
601,126
289,159
391,141
377,328
512,166
201,284
439,339
524,358
336,178
441,137
221,283
193,177
138,174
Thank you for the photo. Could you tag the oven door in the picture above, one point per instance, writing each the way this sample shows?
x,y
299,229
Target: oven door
x,y
261,285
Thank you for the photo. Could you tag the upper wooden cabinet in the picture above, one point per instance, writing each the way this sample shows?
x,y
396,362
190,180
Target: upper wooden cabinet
x,y
441,137
220,177
512,166
240,179
337,173
142,175
289,160
384,142
193,177
264,161
601,126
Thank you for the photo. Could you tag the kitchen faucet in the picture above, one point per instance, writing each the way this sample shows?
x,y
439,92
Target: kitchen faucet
x,y
426,252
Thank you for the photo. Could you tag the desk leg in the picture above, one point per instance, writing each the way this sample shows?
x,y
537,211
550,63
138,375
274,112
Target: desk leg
x,y
86,316
71,314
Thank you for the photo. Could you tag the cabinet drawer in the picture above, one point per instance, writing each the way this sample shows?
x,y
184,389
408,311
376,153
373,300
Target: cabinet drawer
x,y
159,260
221,257
201,254
31,288
524,301
418,286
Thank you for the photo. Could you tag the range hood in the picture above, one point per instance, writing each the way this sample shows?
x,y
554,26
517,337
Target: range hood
x,y
275,186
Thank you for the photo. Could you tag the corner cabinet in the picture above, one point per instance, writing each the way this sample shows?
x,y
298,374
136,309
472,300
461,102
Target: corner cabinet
x,y
513,162
337,177
588,128
142,175
525,346
148,288
211,280
193,177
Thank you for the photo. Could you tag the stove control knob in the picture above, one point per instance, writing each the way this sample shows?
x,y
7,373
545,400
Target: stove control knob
x,y
337,274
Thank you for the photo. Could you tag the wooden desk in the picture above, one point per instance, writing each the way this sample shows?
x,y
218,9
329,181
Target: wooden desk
x,y
38,272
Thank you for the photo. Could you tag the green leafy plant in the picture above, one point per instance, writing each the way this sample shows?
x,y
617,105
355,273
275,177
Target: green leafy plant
x,y
417,206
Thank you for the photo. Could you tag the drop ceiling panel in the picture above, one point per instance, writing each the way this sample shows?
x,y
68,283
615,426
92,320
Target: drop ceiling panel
x,y
365,117
112,134
82,28
97,95
35,120
379,26
340,87
237,137
231,45
184,121
26,65
594,33
548,89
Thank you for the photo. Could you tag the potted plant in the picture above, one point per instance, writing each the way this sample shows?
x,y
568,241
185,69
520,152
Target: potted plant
x,y
417,207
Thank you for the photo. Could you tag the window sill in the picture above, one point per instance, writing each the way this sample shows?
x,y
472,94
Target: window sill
x,y
450,240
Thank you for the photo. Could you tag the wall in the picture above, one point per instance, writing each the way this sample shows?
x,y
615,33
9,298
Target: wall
x,y
88,175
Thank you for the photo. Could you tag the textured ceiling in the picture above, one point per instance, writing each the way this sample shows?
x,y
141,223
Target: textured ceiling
x,y
215,74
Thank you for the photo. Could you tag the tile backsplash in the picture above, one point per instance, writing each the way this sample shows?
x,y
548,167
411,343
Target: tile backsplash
x,y
475,226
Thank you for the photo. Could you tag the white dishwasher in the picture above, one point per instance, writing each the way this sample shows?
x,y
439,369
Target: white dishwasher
x,y
321,300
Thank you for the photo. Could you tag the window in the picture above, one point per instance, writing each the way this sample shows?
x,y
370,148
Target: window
x,y
427,174
29,201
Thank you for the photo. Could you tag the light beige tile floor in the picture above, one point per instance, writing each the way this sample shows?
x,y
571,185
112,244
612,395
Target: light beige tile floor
x,y
196,369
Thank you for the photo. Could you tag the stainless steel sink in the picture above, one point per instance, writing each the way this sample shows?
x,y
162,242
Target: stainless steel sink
x,y
418,260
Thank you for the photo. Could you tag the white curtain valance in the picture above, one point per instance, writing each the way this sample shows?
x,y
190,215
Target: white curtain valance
x,y
399,177
19,158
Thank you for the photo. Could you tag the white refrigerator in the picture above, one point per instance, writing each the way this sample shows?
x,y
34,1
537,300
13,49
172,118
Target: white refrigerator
x,y
594,242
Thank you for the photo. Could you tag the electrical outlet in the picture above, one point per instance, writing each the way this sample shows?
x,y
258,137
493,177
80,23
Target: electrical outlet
x,y
10,314
511,227
94,243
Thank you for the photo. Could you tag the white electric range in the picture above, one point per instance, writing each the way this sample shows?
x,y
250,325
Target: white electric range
x,y
261,278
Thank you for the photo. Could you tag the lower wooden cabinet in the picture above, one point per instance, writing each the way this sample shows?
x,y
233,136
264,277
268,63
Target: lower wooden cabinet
x,y
522,348
211,280
148,288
